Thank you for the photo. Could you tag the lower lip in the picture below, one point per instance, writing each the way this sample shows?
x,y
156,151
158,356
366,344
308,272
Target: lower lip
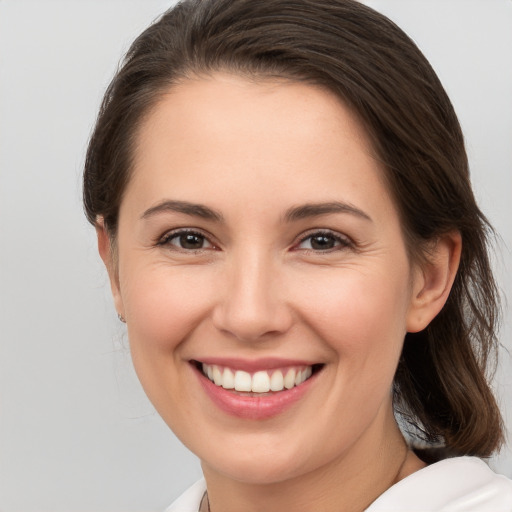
x,y
253,407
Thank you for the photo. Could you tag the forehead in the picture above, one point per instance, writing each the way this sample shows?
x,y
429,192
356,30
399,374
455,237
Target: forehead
x,y
225,137
223,103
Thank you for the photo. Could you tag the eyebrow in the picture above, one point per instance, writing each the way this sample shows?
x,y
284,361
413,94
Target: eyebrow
x,y
196,210
317,209
293,214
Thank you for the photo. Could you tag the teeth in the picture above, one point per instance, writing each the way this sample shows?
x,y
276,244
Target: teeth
x,y
289,379
259,382
277,381
243,381
228,379
217,376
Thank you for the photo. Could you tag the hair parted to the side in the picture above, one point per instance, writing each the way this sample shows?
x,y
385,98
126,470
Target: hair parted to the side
x,y
440,384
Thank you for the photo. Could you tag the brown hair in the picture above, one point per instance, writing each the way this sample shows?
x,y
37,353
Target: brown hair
x,y
440,385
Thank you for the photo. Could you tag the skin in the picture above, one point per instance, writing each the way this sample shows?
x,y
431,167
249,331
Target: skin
x,y
257,287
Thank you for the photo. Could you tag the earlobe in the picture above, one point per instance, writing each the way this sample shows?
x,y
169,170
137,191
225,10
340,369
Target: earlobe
x,y
434,280
106,252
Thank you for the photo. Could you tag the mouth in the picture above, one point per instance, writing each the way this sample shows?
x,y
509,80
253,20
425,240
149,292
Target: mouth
x,y
256,390
259,383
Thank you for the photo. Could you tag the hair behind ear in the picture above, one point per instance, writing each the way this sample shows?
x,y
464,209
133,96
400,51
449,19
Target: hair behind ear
x,y
441,387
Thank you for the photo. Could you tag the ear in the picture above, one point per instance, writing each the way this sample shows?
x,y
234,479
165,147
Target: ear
x,y
109,258
433,281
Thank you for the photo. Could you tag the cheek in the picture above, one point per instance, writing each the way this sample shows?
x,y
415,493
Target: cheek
x,y
361,318
163,305
360,314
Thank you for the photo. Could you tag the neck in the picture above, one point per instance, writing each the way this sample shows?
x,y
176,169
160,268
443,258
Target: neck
x,y
349,483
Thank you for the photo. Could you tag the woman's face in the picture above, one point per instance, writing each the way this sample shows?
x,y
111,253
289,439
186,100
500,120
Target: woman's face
x,y
258,241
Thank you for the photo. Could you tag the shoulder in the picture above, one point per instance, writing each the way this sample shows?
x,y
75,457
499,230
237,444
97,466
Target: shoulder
x,y
189,501
460,484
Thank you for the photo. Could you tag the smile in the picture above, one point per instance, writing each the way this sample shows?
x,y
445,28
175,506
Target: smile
x,y
262,381
256,390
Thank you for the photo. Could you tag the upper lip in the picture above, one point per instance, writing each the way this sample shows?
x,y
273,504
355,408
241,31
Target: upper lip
x,y
253,365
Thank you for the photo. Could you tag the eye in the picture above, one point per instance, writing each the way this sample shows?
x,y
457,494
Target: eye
x,y
187,240
323,241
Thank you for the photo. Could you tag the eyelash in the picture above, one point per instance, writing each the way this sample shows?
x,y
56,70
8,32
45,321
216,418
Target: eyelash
x,y
342,242
166,239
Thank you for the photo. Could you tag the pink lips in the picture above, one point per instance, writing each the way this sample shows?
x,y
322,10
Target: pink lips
x,y
253,406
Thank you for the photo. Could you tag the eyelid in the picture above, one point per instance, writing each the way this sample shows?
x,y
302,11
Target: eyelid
x,y
345,241
169,235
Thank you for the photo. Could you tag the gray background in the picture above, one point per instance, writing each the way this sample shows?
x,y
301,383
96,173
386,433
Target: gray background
x,y
76,431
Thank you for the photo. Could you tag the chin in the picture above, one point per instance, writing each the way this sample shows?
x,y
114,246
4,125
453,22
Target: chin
x,y
257,470
261,459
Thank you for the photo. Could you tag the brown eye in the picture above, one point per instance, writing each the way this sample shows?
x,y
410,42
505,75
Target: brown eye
x,y
187,240
323,242
191,241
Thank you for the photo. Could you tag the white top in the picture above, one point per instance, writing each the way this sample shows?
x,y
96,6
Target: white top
x,y
460,484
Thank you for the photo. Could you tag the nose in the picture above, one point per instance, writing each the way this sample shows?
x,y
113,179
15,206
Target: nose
x,y
252,305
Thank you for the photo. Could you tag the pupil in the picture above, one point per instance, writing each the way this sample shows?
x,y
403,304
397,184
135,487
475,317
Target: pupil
x,y
322,242
191,241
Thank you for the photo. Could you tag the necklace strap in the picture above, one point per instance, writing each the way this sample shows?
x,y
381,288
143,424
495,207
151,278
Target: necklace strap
x,y
204,506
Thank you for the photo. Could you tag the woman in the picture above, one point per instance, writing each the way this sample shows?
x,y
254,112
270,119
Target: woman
x,y
281,196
